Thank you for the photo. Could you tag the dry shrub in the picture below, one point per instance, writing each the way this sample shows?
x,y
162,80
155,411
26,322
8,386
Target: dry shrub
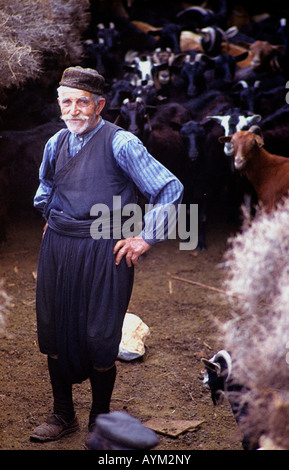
x,y
257,275
33,29
257,336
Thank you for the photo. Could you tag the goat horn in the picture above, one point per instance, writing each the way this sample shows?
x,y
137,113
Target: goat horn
x,y
243,83
149,122
255,129
117,119
258,132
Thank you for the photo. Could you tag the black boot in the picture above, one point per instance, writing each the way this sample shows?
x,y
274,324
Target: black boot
x,y
102,384
62,392
63,420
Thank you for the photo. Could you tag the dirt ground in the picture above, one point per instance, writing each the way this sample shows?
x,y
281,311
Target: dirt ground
x,y
165,383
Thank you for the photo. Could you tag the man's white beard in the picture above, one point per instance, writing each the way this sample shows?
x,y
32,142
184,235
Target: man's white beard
x,y
77,125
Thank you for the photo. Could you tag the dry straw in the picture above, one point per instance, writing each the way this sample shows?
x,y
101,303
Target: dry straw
x,y
257,336
32,31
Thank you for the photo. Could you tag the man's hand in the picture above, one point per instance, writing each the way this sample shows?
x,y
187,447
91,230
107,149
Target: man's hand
x,y
131,248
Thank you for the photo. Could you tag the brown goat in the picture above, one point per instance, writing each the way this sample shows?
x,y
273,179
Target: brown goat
x,y
268,173
262,54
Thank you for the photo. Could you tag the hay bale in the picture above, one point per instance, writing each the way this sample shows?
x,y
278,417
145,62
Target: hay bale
x,y
32,31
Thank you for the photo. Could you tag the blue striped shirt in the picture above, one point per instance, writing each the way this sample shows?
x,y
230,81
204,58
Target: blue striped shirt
x,y
154,181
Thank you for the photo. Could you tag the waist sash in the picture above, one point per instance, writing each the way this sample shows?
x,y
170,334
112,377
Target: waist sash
x,y
109,225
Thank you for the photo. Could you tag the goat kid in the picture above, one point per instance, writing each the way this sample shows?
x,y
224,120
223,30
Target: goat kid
x,y
268,173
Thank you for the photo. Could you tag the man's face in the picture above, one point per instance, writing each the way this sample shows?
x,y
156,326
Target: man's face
x,y
79,110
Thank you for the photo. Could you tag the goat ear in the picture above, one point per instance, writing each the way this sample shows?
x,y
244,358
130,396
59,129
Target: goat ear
x,y
225,138
212,366
215,118
259,141
279,48
244,44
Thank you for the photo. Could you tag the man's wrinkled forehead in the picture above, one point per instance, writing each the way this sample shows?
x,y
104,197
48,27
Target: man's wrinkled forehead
x,y
73,93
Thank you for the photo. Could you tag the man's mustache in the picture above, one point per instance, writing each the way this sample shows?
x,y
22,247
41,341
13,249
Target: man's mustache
x,y
68,117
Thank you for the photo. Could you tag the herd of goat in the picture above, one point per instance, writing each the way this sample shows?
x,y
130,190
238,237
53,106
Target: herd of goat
x,y
188,87
216,114
209,100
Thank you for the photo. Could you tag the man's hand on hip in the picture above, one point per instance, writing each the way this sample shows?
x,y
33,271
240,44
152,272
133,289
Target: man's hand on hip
x,y
131,248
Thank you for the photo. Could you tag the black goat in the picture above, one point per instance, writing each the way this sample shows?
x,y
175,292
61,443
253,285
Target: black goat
x,y
221,383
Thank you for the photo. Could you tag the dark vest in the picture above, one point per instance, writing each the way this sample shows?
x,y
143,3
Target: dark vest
x,y
91,177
